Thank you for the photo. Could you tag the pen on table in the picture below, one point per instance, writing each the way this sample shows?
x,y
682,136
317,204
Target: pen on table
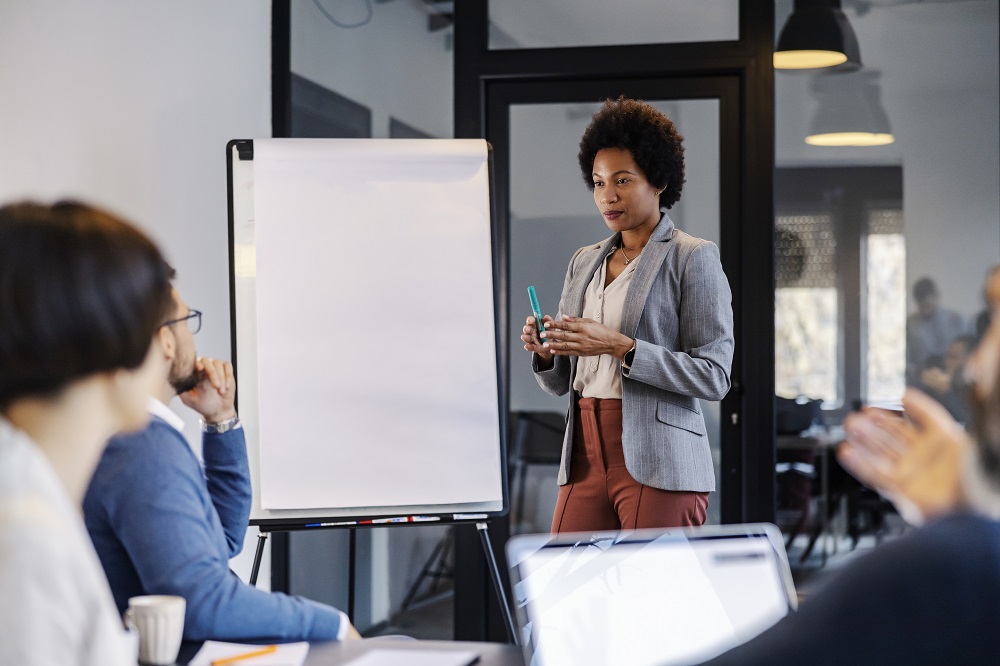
x,y
267,649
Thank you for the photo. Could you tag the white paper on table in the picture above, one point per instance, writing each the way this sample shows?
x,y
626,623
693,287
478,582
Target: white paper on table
x,y
288,654
382,657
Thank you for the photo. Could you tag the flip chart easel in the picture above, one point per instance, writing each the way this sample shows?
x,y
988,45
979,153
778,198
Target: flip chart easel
x,y
351,423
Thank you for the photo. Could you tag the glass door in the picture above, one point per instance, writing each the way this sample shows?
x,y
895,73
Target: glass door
x,y
552,213
549,213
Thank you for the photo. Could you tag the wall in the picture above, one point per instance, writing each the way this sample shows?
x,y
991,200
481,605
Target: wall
x,y
130,105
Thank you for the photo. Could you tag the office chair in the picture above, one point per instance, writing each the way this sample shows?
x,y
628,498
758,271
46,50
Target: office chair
x,y
536,439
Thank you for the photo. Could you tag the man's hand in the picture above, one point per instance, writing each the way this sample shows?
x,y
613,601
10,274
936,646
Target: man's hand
x,y
352,634
215,395
576,336
916,462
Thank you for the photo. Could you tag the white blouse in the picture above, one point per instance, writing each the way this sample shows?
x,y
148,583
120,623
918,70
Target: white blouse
x,y
55,604
601,376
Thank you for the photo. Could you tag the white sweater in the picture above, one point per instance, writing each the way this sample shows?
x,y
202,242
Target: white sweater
x,y
55,605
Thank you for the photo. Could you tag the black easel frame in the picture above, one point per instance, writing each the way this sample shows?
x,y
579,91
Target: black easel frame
x,y
243,148
482,527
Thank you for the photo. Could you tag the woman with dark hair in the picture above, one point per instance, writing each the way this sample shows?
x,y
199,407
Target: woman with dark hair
x,y
82,294
645,330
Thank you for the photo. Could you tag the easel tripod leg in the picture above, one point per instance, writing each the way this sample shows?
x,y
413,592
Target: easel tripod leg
x,y
261,540
491,560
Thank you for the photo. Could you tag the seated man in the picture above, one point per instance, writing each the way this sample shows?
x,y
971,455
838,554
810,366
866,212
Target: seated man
x,y
932,597
941,377
163,525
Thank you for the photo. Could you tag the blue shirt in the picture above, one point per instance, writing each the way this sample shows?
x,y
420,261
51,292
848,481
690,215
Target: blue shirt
x,y
162,525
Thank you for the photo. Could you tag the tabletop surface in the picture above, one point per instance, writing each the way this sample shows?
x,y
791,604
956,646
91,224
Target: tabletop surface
x,y
490,654
334,654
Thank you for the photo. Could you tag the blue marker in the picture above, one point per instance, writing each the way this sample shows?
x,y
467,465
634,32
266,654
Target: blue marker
x,y
536,310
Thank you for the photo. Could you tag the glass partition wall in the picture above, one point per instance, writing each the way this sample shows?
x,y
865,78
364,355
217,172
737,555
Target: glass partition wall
x,y
858,227
855,229
882,250
528,76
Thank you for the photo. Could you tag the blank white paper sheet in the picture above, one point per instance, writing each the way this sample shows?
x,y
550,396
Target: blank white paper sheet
x,y
376,350
288,654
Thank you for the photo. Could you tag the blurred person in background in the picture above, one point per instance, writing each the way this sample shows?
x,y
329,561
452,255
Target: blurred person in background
x,y
929,329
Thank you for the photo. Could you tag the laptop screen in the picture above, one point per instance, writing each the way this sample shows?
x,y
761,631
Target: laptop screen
x,y
678,596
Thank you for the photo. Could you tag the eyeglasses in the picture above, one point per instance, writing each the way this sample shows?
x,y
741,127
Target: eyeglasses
x,y
193,319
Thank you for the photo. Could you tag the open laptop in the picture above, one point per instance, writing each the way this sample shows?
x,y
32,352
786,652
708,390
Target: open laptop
x,y
676,596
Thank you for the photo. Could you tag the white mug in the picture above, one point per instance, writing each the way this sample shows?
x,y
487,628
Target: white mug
x,y
159,619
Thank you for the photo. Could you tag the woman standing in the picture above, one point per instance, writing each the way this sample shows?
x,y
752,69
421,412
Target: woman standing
x,y
645,329
82,294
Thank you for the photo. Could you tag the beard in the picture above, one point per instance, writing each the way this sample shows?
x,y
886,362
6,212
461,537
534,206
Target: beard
x,y
182,383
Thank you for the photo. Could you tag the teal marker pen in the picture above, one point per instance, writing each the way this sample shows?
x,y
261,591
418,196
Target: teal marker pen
x,y
536,310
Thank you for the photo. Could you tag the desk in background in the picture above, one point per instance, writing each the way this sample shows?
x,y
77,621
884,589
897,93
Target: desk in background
x,y
820,446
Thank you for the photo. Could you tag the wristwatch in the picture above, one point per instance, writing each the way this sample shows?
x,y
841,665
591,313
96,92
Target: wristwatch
x,y
220,427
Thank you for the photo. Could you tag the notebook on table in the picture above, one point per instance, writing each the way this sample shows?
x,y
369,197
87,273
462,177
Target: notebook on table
x,y
676,596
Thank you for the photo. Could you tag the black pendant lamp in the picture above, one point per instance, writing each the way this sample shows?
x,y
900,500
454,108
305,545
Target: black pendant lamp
x,y
817,35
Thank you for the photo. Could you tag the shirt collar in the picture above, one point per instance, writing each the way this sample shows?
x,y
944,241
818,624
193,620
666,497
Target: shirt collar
x,y
158,409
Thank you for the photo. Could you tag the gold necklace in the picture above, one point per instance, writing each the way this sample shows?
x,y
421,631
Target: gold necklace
x,y
627,258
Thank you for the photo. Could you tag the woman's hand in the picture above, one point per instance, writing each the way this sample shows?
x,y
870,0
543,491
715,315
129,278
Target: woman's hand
x,y
916,462
576,336
532,341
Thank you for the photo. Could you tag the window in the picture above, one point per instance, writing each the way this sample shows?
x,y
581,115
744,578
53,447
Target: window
x,y
840,285
805,309
885,283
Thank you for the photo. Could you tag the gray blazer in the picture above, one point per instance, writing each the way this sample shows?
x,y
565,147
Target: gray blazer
x,y
679,310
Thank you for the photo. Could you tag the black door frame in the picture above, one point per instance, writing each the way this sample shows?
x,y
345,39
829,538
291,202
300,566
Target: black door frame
x,y
738,73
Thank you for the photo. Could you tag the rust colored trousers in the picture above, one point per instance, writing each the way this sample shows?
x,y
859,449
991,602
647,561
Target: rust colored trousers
x,y
601,494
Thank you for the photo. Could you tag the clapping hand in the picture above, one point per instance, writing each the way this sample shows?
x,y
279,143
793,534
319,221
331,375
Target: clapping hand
x,y
916,462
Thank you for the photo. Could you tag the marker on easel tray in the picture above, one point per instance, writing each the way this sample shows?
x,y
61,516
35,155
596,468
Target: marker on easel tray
x,y
378,521
402,519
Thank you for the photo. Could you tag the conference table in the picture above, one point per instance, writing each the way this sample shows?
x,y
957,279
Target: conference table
x,y
333,653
